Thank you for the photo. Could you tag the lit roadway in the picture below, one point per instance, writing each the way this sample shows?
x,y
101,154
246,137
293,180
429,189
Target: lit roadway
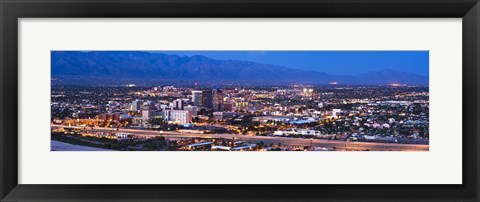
x,y
268,139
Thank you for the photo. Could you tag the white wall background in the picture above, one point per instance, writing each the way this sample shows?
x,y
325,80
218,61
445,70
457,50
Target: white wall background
x,y
441,165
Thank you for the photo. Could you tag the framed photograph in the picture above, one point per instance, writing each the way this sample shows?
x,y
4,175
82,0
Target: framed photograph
x,y
239,100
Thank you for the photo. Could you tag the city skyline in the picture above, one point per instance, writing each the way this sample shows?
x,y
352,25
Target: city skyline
x,y
163,102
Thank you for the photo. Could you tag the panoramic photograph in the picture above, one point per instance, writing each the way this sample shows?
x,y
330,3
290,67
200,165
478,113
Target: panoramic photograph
x,y
239,100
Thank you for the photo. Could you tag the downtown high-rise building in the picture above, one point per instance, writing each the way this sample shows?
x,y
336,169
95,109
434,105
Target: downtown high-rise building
x,y
136,105
197,98
218,99
207,99
178,104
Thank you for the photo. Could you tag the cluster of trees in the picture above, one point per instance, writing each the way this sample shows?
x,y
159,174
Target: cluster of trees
x,y
75,140
155,144
151,144
62,113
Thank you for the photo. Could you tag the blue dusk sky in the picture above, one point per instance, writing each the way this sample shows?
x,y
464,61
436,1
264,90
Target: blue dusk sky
x,y
332,62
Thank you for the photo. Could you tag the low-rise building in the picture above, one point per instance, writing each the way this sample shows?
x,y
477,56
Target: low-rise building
x,y
223,115
177,116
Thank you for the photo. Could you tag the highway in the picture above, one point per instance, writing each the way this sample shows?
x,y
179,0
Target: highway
x,y
372,146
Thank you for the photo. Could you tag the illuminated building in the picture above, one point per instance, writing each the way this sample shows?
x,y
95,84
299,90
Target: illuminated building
x,y
178,104
241,104
148,114
192,109
207,99
109,116
197,98
177,116
218,100
136,105
335,111
223,115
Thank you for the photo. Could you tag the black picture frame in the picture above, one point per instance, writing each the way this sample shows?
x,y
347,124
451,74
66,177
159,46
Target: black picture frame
x,y
12,10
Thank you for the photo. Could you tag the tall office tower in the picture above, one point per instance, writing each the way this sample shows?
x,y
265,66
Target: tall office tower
x,y
136,105
218,99
197,98
178,104
207,99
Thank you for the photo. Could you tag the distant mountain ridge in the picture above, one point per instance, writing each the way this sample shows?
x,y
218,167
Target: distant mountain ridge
x,y
141,64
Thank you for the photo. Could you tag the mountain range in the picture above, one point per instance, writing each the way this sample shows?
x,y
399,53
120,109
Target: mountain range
x,y
149,65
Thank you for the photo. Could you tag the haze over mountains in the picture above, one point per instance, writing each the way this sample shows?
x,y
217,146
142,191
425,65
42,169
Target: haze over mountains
x,y
147,65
